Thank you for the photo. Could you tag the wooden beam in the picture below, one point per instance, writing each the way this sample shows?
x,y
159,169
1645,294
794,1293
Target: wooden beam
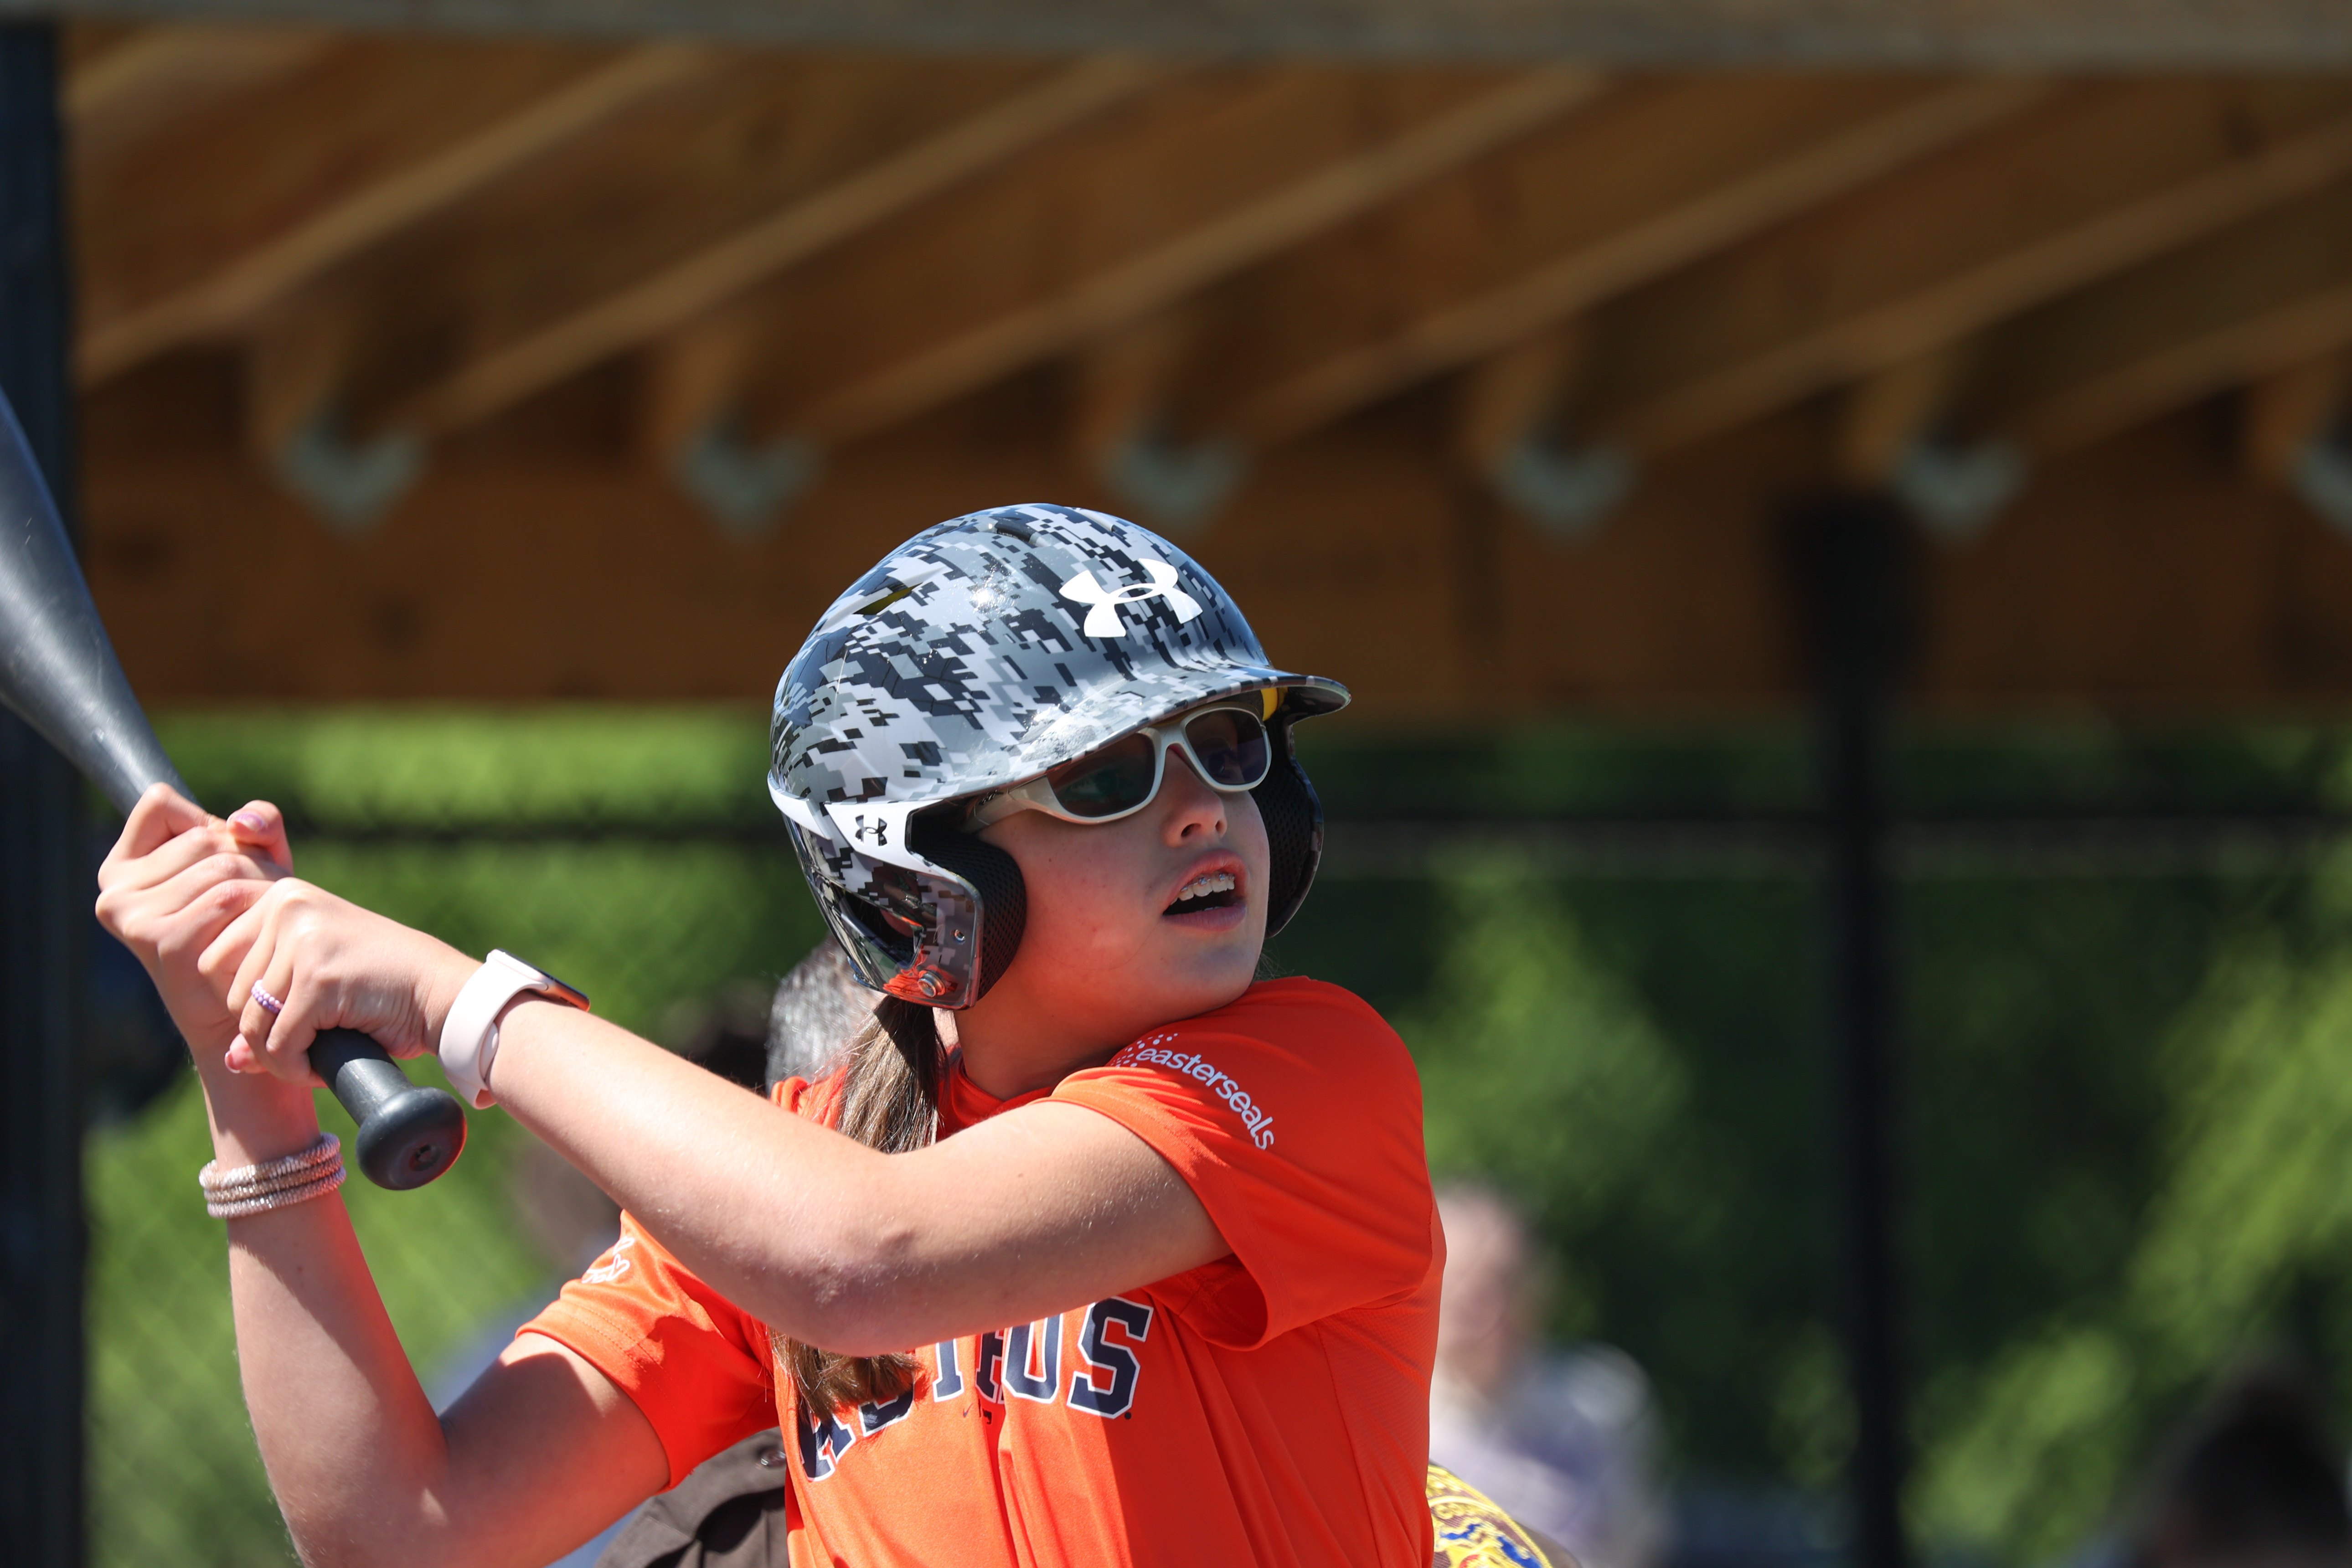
x,y
693,378
1509,397
1677,175
293,370
158,77
2285,412
242,285
2228,316
2121,174
2106,35
1889,413
670,299
1231,187
1121,384
2256,302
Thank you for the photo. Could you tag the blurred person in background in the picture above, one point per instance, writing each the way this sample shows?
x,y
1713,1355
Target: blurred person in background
x,y
730,1513
1562,1440
2255,1481
815,1017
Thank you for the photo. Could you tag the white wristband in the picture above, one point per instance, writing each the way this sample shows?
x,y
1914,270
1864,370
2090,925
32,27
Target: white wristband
x,y
469,1034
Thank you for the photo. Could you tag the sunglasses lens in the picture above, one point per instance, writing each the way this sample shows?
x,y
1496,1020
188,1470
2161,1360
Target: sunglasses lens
x,y
1233,747
1104,783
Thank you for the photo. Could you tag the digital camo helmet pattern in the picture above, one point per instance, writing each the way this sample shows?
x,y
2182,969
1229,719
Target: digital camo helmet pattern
x,y
981,653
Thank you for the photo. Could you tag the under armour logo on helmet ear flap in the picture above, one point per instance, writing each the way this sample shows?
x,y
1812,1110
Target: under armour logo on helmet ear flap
x,y
1104,619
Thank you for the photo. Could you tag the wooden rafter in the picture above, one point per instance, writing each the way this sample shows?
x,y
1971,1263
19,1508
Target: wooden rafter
x,y
2288,410
241,286
1270,167
143,85
693,285
2121,174
2253,303
1888,412
1674,178
1510,395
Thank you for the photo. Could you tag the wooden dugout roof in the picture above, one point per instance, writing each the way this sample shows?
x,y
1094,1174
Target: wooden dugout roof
x,y
491,367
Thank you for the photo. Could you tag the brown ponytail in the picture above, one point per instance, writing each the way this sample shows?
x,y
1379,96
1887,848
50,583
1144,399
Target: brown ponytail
x,y
889,1101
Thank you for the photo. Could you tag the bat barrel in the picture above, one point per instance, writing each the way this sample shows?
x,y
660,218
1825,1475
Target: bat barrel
x,y
59,673
57,670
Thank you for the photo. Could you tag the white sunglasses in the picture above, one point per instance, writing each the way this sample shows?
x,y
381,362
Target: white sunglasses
x,y
1227,745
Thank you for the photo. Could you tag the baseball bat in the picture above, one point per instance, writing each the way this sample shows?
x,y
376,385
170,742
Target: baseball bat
x,y
59,673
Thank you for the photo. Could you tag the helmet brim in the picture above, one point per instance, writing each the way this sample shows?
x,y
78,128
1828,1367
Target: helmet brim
x,y
1111,712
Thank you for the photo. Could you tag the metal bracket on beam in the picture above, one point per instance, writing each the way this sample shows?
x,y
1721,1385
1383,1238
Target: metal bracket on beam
x,y
1178,490
1955,492
1566,491
746,491
2322,475
351,485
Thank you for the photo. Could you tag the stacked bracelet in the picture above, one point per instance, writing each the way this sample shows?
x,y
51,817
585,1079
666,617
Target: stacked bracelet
x,y
273,1184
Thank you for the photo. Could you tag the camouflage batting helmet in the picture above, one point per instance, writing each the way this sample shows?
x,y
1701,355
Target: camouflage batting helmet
x,y
981,653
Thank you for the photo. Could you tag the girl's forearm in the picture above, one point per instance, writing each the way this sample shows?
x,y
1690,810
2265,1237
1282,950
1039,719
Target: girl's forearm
x,y
537,1456
766,1207
354,1450
826,1240
350,1441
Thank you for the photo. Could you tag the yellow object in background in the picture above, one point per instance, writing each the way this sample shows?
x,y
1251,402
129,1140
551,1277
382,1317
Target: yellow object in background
x,y
1471,1532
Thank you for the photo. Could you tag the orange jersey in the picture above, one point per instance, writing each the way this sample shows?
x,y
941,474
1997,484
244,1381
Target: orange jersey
x,y
1270,1408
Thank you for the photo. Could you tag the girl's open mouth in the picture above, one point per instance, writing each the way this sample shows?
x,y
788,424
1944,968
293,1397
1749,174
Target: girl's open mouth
x,y
1216,891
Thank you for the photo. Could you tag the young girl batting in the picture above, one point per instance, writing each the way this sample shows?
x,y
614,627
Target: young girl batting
x,y
1096,1250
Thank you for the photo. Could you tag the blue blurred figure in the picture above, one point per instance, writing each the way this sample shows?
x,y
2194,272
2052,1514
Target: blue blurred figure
x,y
1564,1441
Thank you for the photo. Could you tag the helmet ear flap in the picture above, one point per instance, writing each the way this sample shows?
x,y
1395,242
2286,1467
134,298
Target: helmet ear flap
x,y
1293,815
994,876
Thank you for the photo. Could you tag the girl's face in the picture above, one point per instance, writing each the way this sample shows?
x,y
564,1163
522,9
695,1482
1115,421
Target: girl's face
x,y
1110,949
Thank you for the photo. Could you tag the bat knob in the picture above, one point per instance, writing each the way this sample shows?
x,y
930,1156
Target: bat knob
x,y
408,1135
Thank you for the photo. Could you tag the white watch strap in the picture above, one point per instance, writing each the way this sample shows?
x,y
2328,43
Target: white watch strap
x,y
469,1034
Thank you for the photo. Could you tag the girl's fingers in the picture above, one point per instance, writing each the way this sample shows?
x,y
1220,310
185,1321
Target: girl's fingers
x,y
279,1036
204,843
230,961
194,905
251,940
260,825
161,815
259,1005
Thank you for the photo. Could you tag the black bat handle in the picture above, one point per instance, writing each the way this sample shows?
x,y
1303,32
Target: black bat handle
x,y
408,1134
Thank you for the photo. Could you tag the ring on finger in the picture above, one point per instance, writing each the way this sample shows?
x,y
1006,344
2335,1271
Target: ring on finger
x,y
269,1005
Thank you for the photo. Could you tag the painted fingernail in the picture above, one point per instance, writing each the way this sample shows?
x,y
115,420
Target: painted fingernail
x,y
251,821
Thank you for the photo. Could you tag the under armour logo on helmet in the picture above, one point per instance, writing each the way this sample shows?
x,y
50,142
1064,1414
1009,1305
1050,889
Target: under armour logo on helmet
x,y
1104,619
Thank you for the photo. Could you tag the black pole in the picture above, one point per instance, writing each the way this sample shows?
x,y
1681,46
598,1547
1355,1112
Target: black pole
x,y
44,896
1852,551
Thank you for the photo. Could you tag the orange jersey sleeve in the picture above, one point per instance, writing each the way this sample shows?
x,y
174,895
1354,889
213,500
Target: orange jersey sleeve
x,y
696,1365
1294,1114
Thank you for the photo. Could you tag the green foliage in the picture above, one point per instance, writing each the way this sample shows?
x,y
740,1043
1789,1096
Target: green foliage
x,y
424,766
2122,1095
2244,1243
2119,1094
1538,1068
